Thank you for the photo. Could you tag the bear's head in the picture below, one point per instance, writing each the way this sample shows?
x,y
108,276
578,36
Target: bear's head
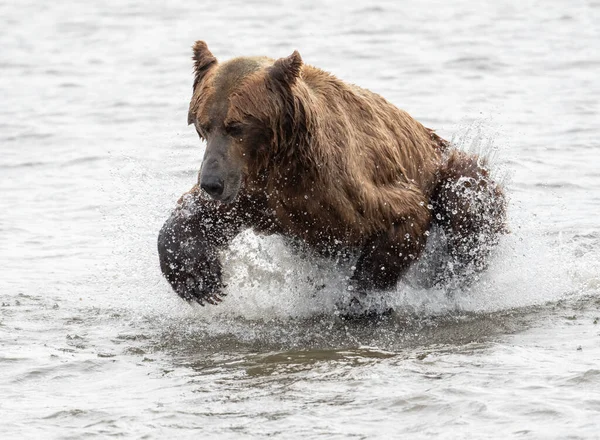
x,y
249,112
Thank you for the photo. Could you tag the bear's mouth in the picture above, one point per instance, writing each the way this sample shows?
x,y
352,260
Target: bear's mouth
x,y
232,189
221,198
230,198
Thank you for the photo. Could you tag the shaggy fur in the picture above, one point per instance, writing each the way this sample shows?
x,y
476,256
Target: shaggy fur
x,y
295,151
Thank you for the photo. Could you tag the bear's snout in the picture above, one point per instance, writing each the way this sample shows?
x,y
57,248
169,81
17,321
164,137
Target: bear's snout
x,y
212,185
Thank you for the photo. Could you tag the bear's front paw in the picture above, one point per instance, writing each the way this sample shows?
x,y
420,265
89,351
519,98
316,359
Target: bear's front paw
x,y
201,281
194,290
357,305
190,264
196,278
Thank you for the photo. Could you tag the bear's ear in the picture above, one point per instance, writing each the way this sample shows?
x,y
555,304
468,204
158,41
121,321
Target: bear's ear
x,y
203,61
286,70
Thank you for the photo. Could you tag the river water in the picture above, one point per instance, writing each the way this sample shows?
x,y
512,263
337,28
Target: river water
x,y
95,151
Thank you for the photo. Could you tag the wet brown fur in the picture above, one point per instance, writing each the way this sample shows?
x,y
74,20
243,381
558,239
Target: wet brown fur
x,y
326,162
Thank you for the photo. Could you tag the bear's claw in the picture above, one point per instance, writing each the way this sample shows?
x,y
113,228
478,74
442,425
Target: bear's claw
x,y
201,292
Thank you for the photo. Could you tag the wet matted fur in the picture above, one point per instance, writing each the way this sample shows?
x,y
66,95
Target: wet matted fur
x,y
293,150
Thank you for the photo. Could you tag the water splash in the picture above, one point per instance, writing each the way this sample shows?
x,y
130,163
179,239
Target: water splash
x,y
268,280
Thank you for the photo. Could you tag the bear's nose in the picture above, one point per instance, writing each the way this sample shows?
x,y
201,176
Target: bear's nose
x,y
213,186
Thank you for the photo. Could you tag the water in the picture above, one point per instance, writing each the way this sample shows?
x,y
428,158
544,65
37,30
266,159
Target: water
x,y
95,151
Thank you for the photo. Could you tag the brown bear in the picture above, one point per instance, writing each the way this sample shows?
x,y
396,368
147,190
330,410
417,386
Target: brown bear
x,y
293,150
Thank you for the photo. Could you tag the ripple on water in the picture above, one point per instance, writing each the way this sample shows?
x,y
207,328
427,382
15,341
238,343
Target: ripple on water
x,y
95,151
588,376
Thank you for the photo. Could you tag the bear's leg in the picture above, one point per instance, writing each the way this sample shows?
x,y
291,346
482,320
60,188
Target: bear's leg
x,y
189,242
471,208
387,256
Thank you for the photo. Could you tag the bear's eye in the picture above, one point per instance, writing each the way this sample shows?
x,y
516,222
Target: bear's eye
x,y
234,129
202,130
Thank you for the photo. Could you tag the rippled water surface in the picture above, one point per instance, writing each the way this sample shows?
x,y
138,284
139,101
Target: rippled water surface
x,y
95,151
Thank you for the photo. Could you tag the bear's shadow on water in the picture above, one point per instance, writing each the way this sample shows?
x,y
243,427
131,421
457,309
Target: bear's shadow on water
x,y
262,347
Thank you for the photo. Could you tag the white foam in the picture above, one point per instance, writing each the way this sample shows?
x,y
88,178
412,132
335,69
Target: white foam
x,y
266,280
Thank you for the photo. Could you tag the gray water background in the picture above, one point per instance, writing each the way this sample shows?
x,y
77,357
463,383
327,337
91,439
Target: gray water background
x,y
94,152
